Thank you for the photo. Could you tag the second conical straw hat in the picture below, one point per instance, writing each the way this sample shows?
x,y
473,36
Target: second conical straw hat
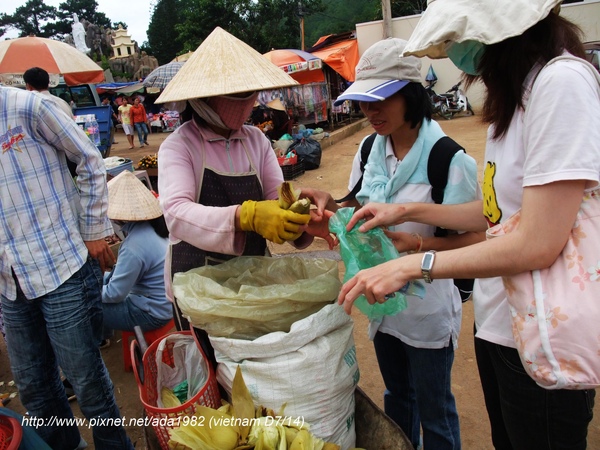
x,y
224,65
130,200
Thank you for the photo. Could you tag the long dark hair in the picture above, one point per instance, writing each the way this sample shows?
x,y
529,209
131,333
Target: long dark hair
x,y
160,226
505,66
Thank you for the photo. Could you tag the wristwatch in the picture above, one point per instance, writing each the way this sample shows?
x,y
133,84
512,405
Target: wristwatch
x,y
427,264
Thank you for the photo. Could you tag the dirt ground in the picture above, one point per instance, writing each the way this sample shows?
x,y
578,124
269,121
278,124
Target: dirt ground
x,y
331,176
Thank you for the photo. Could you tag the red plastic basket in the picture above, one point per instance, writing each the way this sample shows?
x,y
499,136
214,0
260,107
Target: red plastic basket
x,y
11,433
283,161
165,419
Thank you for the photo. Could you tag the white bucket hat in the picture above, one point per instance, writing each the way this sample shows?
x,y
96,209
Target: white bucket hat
x,y
381,72
130,200
224,65
485,21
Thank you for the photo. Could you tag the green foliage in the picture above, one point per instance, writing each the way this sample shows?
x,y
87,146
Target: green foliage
x,y
401,8
162,37
31,18
115,25
104,63
37,18
263,25
85,9
340,16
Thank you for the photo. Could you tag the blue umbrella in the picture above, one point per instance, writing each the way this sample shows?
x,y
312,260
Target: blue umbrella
x,y
160,77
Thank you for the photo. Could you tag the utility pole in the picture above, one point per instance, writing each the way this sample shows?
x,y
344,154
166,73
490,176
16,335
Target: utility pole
x,y
386,10
301,14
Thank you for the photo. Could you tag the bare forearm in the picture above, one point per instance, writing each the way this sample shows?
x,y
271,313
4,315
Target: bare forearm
x,y
464,216
452,241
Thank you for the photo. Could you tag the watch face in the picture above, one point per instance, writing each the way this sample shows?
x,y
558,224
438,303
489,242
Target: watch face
x,y
427,260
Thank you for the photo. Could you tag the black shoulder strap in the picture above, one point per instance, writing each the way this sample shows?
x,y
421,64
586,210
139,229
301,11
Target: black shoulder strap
x,y
438,166
365,150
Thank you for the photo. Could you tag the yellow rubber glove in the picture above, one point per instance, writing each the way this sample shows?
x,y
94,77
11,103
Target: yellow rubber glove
x,y
270,221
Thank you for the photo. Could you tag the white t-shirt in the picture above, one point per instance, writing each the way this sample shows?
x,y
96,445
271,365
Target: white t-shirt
x,y
432,321
556,138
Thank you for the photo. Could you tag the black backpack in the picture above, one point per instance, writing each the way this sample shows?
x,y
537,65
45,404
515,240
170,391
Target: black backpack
x,y
438,166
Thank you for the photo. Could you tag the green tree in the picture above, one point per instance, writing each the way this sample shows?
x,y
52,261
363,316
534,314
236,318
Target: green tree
x,y
32,18
162,36
3,19
401,8
85,9
201,17
263,25
276,23
115,25
340,16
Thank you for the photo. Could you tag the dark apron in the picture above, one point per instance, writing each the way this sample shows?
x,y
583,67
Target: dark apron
x,y
217,189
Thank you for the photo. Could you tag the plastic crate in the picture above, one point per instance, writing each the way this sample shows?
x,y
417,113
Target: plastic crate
x,y
292,171
127,165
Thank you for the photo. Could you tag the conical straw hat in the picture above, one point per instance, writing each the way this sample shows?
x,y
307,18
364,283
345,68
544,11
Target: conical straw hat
x,y
276,104
223,65
130,200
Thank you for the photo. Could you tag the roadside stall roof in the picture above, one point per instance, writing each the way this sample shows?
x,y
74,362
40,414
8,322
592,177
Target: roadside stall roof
x,y
302,66
125,88
338,51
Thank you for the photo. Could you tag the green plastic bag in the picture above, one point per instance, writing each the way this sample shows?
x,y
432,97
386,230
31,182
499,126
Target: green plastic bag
x,y
365,250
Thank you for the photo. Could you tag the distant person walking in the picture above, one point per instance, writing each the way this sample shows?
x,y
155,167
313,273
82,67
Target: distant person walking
x,y
125,119
139,119
114,117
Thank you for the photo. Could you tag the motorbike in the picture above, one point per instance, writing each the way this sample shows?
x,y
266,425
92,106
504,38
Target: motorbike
x,y
451,103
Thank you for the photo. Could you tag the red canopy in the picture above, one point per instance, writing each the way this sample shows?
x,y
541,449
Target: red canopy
x,y
340,55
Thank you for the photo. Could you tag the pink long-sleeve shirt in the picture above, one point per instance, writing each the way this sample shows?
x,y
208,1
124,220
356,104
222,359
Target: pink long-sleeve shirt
x,y
181,162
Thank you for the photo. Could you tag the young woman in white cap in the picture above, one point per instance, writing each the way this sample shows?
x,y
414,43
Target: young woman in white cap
x,y
542,153
134,291
218,179
415,349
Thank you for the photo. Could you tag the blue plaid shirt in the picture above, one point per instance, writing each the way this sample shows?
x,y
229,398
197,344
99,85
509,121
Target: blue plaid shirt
x,y
45,216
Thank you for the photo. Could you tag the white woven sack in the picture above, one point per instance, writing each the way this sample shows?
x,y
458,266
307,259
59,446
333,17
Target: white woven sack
x,y
312,369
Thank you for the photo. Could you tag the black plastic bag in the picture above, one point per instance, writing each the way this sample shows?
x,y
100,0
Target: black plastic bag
x,y
308,151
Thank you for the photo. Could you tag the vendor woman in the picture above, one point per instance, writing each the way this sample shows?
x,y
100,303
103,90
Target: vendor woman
x,y
218,178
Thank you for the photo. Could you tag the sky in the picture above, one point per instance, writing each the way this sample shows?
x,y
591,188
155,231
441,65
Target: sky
x,y
135,13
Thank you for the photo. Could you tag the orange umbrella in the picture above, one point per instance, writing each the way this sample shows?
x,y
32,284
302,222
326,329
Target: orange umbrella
x,y
56,57
300,65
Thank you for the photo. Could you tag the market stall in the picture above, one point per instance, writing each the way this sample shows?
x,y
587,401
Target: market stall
x,y
164,121
339,53
308,102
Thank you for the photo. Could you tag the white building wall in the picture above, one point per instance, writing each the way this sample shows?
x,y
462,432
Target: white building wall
x,y
585,14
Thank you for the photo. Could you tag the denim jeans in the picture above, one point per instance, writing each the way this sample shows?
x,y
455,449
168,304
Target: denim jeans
x,y
63,329
142,131
523,415
418,392
126,315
